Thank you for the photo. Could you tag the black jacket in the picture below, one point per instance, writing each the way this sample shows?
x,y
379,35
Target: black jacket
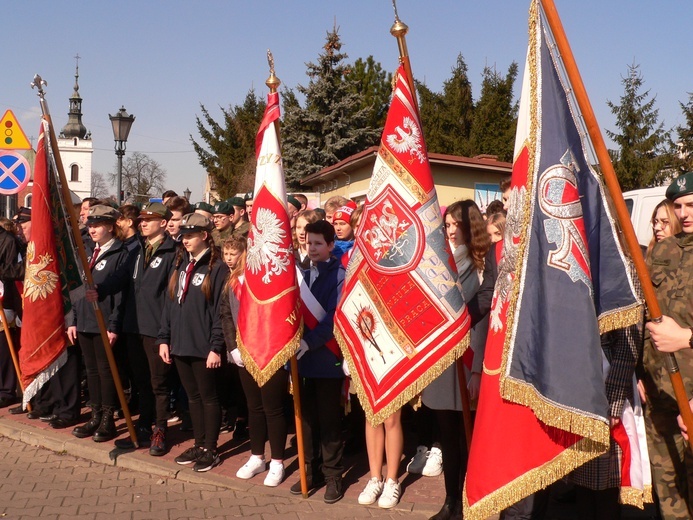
x,y
146,287
11,269
193,328
111,305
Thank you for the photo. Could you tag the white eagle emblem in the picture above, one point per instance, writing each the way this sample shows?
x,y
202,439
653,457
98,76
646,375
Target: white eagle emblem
x,y
198,279
100,265
39,282
265,249
155,263
408,139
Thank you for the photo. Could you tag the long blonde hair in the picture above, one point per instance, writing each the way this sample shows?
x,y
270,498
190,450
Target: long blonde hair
x,y
674,224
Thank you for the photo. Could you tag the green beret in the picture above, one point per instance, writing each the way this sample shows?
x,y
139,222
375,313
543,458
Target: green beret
x,y
224,207
102,213
293,201
155,209
203,206
195,222
237,201
680,186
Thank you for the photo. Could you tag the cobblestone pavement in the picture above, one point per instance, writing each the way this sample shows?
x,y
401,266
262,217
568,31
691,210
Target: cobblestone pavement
x,y
36,482
49,473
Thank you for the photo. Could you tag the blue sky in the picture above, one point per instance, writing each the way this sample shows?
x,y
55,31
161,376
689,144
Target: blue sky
x,y
161,59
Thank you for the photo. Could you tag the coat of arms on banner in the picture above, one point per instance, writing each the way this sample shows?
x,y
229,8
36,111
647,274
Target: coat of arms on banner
x,y
390,238
266,251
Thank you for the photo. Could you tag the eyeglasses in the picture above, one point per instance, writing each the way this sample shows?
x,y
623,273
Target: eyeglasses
x,y
664,223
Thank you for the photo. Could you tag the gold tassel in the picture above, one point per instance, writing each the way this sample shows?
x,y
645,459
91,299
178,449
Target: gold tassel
x,y
276,363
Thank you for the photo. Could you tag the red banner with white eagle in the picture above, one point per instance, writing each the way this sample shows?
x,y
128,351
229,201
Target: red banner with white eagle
x,y
269,319
43,338
402,318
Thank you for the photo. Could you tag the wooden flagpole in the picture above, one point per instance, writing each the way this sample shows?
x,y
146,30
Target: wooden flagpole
x,y
399,30
13,351
273,84
38,83
614,188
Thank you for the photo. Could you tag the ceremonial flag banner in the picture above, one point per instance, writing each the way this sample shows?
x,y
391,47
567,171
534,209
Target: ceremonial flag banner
x,y
402,318
269,319
52,276
562,280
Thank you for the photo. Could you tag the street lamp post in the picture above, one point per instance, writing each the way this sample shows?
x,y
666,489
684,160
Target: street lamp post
x,y
187,194
122,122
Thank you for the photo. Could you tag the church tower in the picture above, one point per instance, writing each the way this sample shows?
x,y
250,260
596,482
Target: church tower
x,y
75,145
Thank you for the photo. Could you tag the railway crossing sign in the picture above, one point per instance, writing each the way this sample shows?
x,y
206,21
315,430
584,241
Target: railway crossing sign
x,y
12,137
15,172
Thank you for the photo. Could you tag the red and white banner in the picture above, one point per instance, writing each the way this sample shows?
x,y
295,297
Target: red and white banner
x,y
402,318
269,319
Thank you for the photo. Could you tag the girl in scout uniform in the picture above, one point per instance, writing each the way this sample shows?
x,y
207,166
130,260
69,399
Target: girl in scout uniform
x,y
106,257
191,334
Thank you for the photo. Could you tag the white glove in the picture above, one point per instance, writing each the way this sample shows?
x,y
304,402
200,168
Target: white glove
x,y
302,349
236,358
345,368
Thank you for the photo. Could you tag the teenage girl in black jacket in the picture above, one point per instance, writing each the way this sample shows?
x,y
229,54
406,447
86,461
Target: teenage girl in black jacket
x,y
191,334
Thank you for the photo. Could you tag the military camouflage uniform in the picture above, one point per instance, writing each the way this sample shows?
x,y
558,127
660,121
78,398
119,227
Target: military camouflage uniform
x,y
220,237
671,269
242,229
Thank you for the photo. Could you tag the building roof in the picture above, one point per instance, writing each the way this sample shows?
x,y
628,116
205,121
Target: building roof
x,y
481,162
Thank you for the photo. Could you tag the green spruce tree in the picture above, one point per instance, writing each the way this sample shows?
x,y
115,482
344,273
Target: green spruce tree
x,y
334,122
227,149
683,148
373,85
495,115
641,159
432,113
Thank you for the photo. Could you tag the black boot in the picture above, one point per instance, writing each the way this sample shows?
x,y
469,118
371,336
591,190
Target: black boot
x,y
314,479
107,429
452,508
88,428
333,490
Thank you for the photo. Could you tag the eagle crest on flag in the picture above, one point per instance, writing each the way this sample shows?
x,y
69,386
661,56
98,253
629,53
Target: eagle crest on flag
x,y
265,249
39,282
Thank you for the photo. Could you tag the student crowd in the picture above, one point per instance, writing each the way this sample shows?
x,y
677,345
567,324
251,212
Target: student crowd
x,y
168,278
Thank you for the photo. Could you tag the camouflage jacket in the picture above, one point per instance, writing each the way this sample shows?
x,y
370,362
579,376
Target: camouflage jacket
x,y
671,270
220,236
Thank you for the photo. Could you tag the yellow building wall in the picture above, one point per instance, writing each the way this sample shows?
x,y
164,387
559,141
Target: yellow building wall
x,y
452,183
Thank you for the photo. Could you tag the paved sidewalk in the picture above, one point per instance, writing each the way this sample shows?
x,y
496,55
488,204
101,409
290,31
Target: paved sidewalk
x,y
36,482
79,474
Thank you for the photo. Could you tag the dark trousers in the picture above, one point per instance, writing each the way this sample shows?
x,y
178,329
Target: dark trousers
x,y
61,394
453,444
322,420
150,378
597,505
102,390
231,393
201,386
8,375
266,417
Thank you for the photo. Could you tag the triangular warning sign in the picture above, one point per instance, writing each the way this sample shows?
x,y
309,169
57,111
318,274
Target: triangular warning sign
x,y
12,137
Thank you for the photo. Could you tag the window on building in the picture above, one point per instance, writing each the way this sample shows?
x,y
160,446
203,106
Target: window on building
x,y
75,141
74,173
27,201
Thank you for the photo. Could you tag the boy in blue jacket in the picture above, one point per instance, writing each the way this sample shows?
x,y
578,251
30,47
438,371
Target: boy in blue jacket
x,y
320,365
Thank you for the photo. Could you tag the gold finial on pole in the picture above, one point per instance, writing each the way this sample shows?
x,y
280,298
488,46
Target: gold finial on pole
x,y
399,30
273,81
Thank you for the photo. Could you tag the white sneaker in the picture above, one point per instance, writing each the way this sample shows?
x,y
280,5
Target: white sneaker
x,y
371,492
254,466
390,495
434,463
275,475
417,463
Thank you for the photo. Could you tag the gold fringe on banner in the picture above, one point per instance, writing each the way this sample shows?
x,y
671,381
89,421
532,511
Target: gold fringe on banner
x,y
631,496
538,478
410,392
621,318
261,376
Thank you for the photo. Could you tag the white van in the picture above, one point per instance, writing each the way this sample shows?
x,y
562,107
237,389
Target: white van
x,y
641,203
